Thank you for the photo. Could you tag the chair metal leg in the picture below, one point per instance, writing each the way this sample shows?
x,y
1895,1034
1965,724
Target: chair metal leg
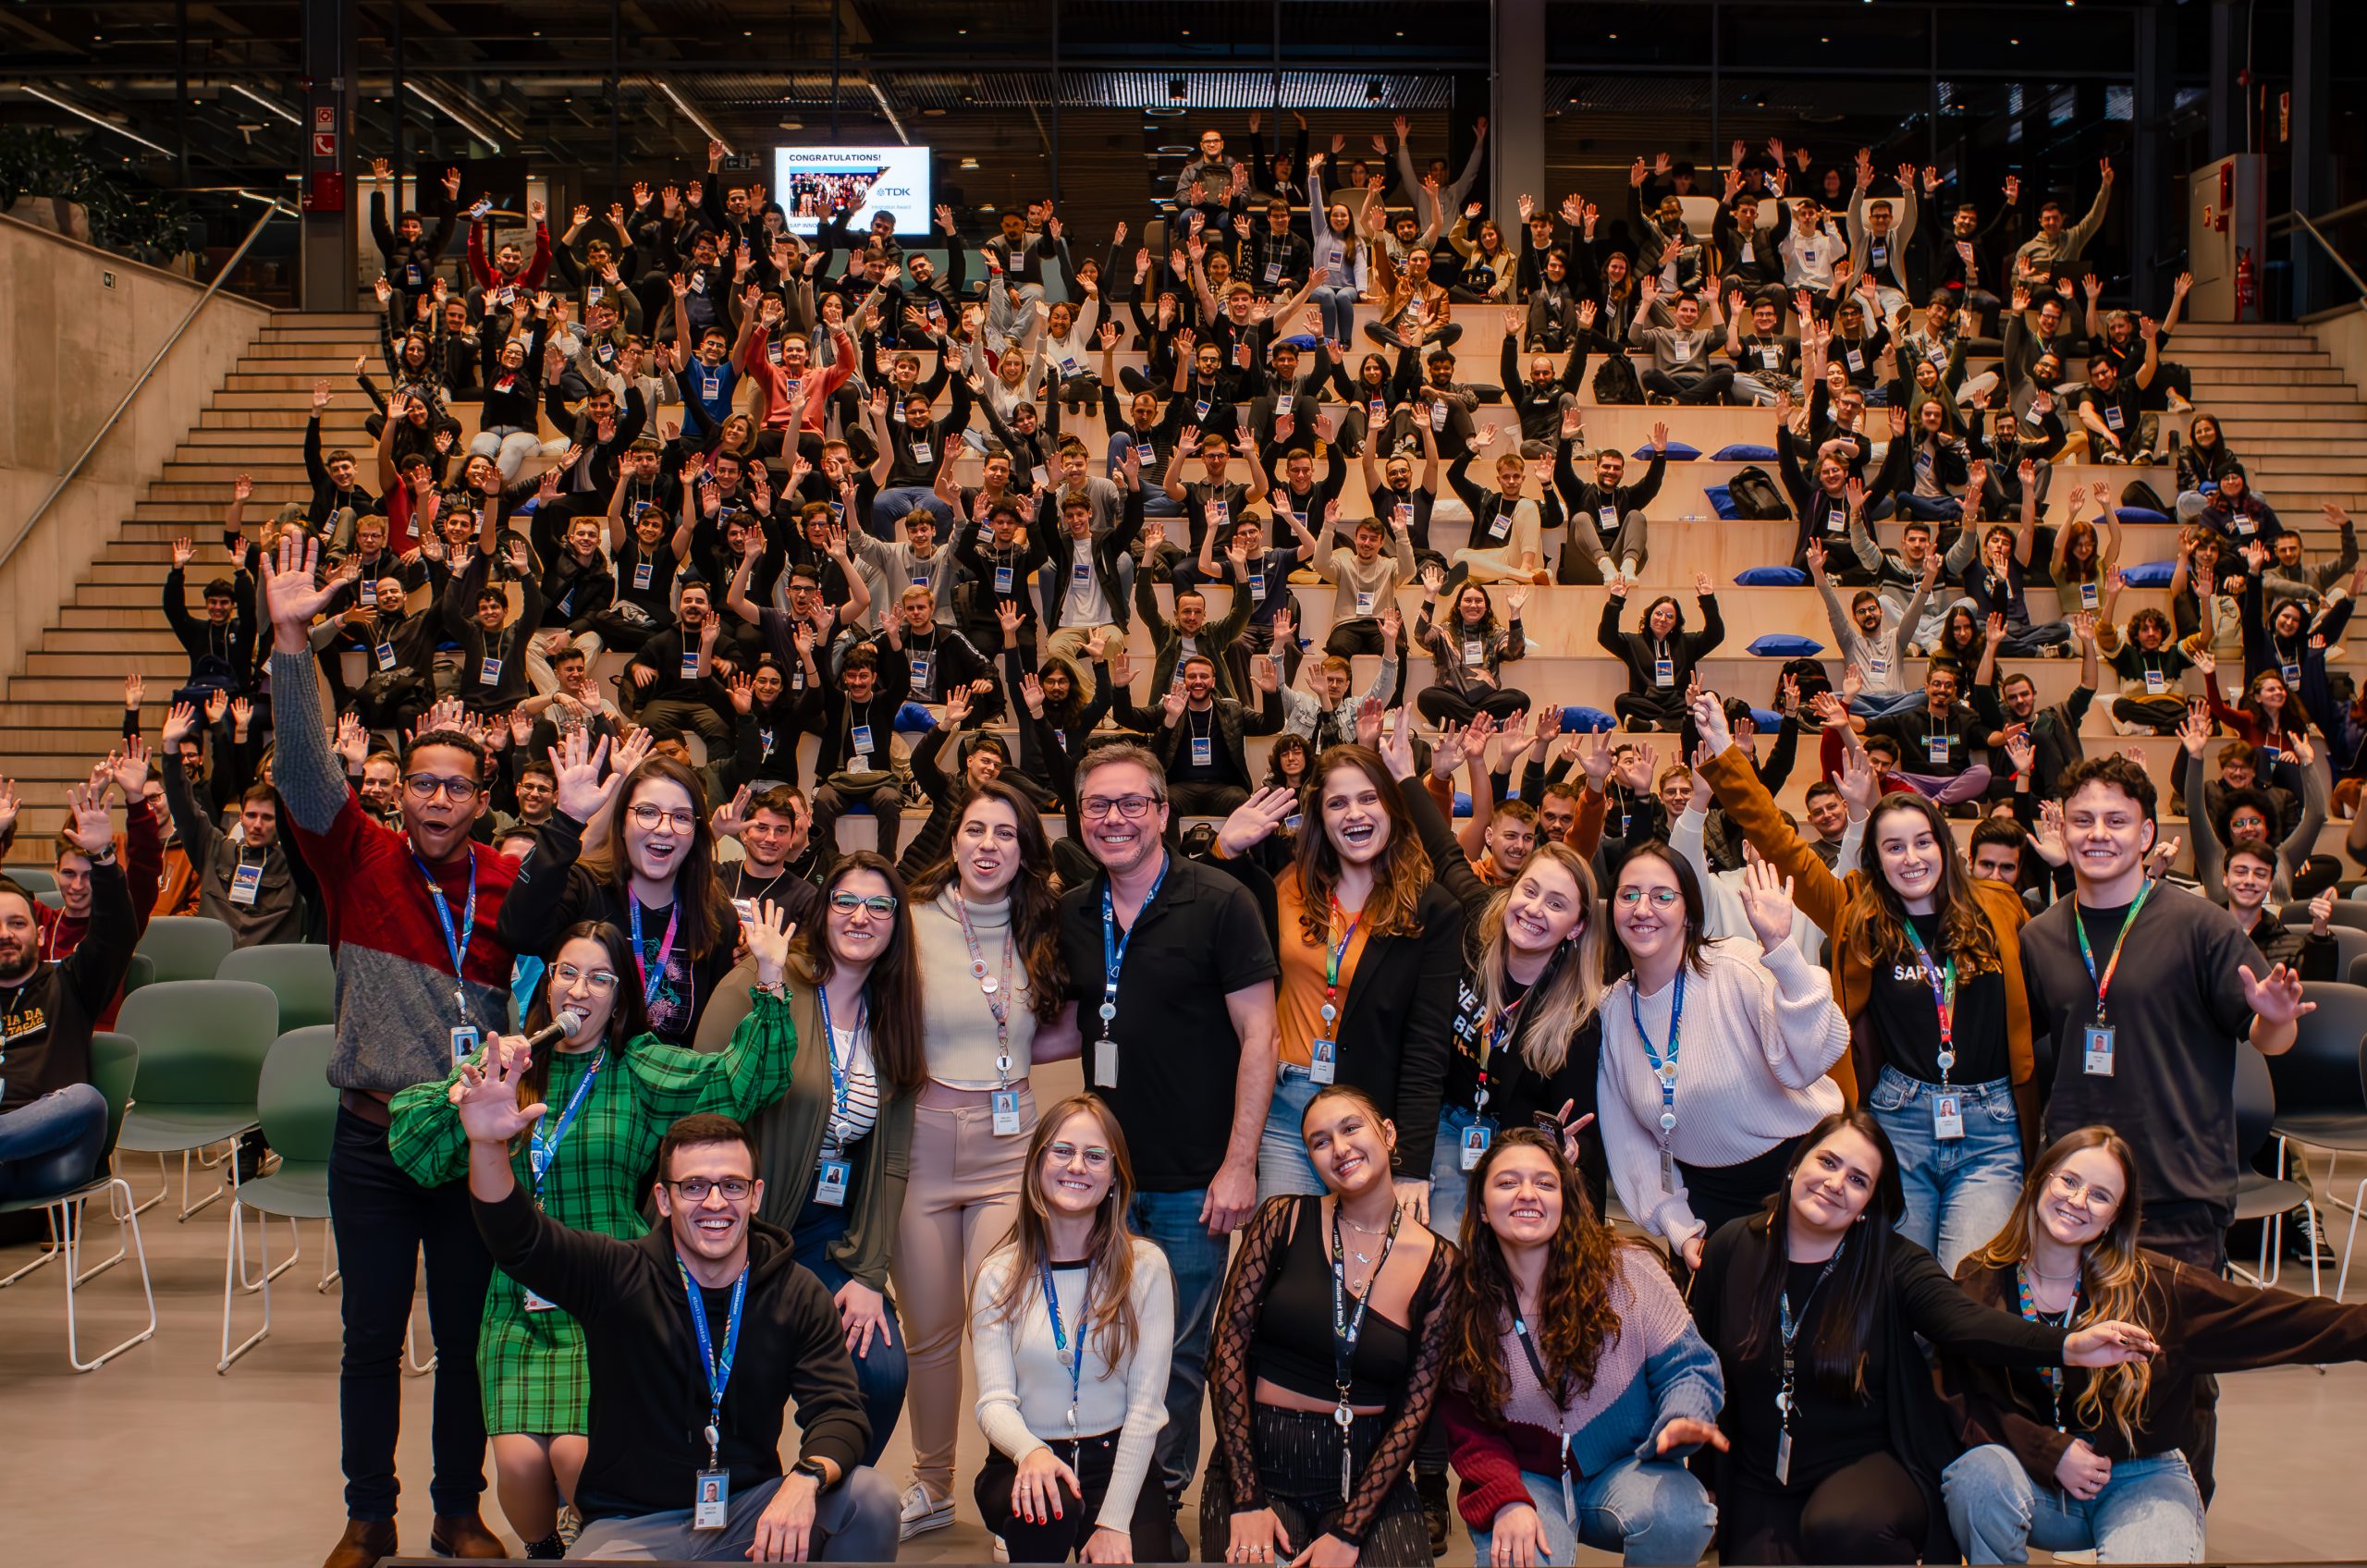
x,y
295,1248
108,1262
234,1269
164,1189
330,1272
410,1355
188,1207
49,1250
69,1225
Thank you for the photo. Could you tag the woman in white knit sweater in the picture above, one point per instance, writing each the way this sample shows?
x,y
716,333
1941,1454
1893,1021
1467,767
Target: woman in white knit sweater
x,y
1070,1323
1714,1053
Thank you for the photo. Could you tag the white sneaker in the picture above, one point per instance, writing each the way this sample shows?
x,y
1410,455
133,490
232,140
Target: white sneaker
x,y
921,1514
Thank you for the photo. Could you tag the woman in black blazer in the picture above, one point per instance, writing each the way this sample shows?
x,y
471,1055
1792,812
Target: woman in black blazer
x,y
1660,658
1370,947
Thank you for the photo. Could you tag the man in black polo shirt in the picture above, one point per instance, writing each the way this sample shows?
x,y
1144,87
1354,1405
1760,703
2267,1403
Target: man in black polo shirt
x,y
1172,978
1935,741
698,1334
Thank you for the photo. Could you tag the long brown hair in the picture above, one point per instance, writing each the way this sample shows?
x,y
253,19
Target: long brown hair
x,y
1110,1277
1569,991
1399,880
1840,1346
2113,1275
1035,896
628,1017
894,989
706,914
1965,932
1576,1321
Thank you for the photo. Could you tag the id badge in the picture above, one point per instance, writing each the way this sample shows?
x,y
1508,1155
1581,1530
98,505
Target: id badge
x,y
1149,448
1219,513
713,1500
1750,253
1006,1104
1204,750
533,1302
860,738
2088,598
1947,1115
690,665
1364,602
745,909
920,672
1501,526
1257,587
1610,519
1380,410
2097,1050
464,1041
1273,273
2292,673
1784,1459
385,655
1475,651
489,671
830,1184
2112,419
1081,572
642,574
1879,254
1105,1064
1878,665
1663,672
245,883
1475,1145
1837,520
1402,514
1283,402
1002,581
1936,748
921,454
2156,683
1857,359
1680,351
367,593
2246,525
1438,417
712,385
1323,1061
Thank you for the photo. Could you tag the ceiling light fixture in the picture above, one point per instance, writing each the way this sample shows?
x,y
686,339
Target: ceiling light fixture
x,y
688,113
463,121
85,114
253,97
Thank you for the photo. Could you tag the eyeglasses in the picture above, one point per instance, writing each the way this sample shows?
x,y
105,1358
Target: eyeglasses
x,y
694,1189
646,817
1096,1158
878,904
423,786
1662,897
1133,808
601,981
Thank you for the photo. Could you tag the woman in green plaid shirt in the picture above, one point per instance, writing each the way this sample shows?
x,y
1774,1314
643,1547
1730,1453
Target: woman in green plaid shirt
x,y
588,1162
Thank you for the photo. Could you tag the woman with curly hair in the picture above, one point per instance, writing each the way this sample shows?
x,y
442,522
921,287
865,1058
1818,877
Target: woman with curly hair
x,y
2099,1461
1576,1383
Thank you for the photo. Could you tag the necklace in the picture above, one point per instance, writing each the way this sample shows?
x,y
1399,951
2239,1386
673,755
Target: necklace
x,y
2051,1279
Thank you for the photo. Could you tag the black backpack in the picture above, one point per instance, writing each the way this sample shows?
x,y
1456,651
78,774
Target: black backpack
x,y
2137,492
1810,675
1615,383
1755,496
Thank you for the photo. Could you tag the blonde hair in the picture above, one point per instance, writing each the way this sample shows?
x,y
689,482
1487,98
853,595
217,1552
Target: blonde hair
x,y
1566,995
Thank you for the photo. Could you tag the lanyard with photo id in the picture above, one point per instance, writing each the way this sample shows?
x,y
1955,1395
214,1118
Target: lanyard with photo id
x,y
542,1148
464,1034
1482,1132
1071,1356
1560,1393
711,1496
997,994
1948,1105
1663,1068
1789,1328
1113,961
2097,1038
831,1177
1323,1052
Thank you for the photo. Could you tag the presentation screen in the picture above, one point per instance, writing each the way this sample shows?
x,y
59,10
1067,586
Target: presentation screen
x,y
809,181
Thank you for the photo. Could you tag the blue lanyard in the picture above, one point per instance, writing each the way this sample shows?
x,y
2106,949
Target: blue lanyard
x,y
717,1372
653,975
456,943
1113,946
839,1071
543,1146
1664,1070
1072,1357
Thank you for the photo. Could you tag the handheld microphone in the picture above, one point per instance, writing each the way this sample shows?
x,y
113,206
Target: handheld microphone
x,y
563,1027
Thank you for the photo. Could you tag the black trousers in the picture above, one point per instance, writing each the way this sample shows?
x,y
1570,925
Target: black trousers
x,y
1442,706
1361,634
2194,1234
1057,1540
383,1222
1298,1465
1868,1511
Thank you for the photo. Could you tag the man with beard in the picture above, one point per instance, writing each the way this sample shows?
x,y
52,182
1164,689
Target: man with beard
x,y
53,1119
245,884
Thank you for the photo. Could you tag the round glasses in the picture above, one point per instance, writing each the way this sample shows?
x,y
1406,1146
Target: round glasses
x,y
600,981
1096,1158
877,903
647,817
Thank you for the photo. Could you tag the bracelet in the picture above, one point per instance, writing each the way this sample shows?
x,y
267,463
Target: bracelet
x,y
776,989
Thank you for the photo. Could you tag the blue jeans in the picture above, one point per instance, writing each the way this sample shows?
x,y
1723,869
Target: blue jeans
x,y
1648,1512
1930,508
893,504
1959,1191
881,1372
1283,1165
52,1145
1449,1183
1170,1221
1337,304
1876,704
2148,1511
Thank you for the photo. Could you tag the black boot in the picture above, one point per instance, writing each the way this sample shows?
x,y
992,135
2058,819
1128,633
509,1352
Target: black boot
x,y
550,1546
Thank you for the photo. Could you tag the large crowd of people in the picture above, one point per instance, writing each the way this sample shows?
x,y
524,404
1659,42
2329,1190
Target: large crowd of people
x,y
1918,1104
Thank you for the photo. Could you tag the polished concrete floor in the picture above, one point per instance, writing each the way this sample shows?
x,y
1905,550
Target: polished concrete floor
x,y
155,1458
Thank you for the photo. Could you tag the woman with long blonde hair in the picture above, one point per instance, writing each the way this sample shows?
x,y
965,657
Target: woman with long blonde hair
x,y
1072,1322
2076,1460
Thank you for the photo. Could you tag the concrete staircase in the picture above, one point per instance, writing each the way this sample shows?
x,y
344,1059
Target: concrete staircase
x,y
2286,410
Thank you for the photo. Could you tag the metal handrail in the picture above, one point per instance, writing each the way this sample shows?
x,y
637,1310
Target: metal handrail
x,y
2356,281
24,529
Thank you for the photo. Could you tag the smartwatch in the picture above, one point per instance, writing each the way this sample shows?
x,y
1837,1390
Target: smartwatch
x,y
816,1468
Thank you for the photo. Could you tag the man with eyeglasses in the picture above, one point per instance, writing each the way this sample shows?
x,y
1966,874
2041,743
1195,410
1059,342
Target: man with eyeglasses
x,y
698,1338
1171,974
421,977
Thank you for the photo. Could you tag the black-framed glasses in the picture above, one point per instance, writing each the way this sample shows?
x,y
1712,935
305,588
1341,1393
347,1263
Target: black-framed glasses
x,y
1133,808
424,787
694,1189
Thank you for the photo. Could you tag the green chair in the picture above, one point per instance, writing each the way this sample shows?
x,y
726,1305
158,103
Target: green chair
x,y
298,973
202,1049
115,1061
141,973
31,878
185,946
297,1108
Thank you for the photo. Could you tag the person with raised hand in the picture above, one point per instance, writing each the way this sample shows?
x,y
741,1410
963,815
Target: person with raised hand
x,y
1072,1320
616,1089
247,882
421,978
1577,1384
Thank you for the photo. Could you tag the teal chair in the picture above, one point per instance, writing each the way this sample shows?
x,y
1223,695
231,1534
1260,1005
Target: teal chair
x,y
202,1049
141,973
298,1109
185,946
298,973
115,1061
31,878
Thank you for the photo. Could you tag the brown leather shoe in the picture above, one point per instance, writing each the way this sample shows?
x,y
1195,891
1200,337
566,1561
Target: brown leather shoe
x,y
464,1535
364,1541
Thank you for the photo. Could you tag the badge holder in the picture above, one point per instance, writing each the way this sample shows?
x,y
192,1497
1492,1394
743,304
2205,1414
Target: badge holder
x,y
1475,1139
711,1503
1948,1114
533,1302
1203,750
245,883
2097,1050
1006,1104
464,1042
1323,1065
830,1184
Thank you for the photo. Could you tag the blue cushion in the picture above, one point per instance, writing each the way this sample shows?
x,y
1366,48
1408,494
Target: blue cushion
x,y
1743,452
2149,574
1722,502
1580,720
2140,516
1768,720
1770,577
1785,646
913,718
1463,803
1678,452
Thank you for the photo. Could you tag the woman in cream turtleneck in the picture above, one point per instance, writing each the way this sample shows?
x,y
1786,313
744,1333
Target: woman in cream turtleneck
x,y
984,921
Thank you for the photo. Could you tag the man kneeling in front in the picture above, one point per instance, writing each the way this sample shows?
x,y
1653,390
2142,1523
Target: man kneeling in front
x,y
697,1336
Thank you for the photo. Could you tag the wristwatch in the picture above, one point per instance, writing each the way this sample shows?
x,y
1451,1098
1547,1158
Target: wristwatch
x,y
816,1468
